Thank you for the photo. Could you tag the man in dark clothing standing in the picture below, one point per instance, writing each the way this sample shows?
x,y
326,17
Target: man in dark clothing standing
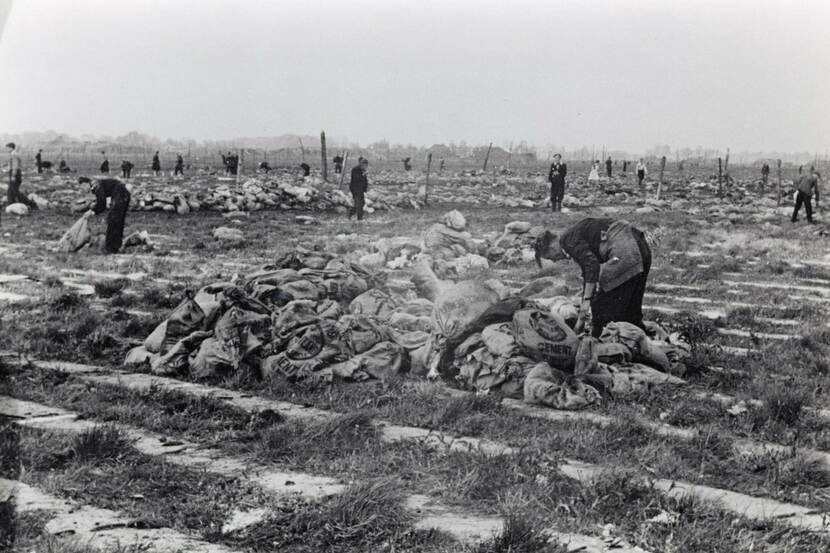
x,y
338,164
556,177
126,168
179,168
625,166
105,165
608,165
156,164
406,165
615,260
306,169
807,184
764,176
358,186
14,195
39,161
119,203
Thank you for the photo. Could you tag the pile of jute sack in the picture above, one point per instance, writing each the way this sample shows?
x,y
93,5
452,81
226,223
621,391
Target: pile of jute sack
x,y
313,317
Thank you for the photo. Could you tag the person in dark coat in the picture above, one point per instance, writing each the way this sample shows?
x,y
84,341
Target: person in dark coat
x,y
306,169
615,260
39,161
119,204
63,167
126,168
156,164
338,164
13,194
556,177
179,168
105,165
807,185
407,166
358,185
608,165
764,176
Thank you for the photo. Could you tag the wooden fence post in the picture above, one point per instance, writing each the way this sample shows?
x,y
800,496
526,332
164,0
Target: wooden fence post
x,y
323,156
779,182
343,171
486,157
720,176
426,186
660,183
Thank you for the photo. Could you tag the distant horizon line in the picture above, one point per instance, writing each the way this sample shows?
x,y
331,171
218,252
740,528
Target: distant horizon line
x,y
341,141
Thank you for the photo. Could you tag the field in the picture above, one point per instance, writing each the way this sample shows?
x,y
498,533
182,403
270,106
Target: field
x,y
96,455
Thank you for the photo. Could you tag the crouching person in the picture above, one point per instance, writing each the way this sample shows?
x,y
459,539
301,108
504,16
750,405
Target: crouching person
x,y
119,204
615,260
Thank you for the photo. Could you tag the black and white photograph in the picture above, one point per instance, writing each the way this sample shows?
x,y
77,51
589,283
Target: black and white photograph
x,y
414,276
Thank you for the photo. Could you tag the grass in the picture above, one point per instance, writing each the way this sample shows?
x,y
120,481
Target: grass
x,y
519,535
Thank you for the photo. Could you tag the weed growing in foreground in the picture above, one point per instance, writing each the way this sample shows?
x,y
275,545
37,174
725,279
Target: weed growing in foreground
x,y
518,536
104,442
780,404
109,288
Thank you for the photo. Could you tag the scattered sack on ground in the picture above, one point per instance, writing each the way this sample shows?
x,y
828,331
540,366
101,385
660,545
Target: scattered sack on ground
x,y
543,336
17,209
547,386
230,235
76,237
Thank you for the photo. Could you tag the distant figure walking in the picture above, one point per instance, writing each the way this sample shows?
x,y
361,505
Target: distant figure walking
x,y
593,176
126,168
14,195
625,166
608,165
764,176
358,186
105,165
306,169
441,164
39,161
179,168
156,164
807,185
556,177
338,164
641,172
119,203
407,166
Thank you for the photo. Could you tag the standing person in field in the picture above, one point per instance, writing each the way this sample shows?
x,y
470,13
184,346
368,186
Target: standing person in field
x,y
119,203
306,169
179,168
358,186
39,161
441,164
407,166
105,165
608,165
556,177
156,164
807,185
625,166
14,195
641,172
764,176
126,168
338,164
615,259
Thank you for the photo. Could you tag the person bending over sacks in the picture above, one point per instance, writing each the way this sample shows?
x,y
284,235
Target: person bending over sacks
x,y
119,203
615,260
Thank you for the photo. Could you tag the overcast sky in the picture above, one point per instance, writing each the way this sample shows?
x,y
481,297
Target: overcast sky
x,y
750,75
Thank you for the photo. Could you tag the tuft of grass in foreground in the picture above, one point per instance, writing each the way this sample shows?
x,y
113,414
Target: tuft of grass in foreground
x,y
780,404
110,287
518,535
103,442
